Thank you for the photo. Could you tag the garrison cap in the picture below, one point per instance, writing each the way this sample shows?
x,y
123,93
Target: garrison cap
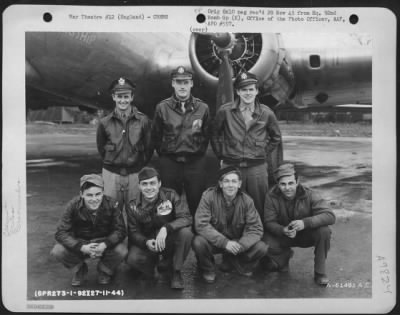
x,y
286,169
245,78
181,73
147,172
122,84
92,178
229,169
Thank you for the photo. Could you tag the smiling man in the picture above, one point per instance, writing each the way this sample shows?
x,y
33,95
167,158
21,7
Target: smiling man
x,y
158,225
244,132
296,216
180,135
124,143
91,227
227,222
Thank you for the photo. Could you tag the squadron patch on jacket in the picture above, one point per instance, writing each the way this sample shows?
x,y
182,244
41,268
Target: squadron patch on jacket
x,y
132,205
164,208
196,126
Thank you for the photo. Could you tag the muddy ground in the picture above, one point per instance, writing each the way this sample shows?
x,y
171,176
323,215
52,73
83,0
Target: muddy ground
x,y
338,167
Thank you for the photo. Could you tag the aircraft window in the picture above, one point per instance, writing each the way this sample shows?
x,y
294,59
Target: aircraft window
x,y
315,61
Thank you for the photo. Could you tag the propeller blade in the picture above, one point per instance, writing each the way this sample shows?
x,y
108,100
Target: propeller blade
x,y
225,85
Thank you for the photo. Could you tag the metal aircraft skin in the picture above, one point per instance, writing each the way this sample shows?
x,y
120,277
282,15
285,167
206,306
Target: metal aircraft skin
x,y
295,69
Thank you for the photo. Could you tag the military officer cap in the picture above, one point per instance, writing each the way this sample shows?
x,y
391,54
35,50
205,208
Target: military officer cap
x,y
229,169
181,73
244,79
286,169
122,84
92,178
147,172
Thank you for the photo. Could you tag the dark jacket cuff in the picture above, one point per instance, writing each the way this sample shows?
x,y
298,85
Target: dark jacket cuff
x,y
224,243
77,247
169,228
108,243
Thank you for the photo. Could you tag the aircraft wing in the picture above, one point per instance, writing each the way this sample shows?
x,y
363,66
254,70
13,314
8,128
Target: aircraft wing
x,y
294,69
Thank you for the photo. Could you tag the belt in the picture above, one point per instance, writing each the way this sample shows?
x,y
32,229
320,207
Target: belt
x,y
183,158
246,163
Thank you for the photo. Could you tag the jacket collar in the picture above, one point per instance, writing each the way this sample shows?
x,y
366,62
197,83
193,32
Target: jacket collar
x,y
257,108
300,192
133,113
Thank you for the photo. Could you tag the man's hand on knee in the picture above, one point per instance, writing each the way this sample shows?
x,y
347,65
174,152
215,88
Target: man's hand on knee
x,y
89,249
233,247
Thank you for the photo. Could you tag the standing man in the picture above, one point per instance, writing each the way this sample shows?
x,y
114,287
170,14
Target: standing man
x,y
159,223
296,216
243,135
227,222
180,135
124,143
91,227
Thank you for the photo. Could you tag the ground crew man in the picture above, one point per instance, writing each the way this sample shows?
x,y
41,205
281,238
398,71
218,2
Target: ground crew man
x,y
243,134
91,227
227,222
124,143
180,135
159,223
296,216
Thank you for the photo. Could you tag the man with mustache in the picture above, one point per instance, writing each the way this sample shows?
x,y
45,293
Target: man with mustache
x,y
92,227
296,216
180,135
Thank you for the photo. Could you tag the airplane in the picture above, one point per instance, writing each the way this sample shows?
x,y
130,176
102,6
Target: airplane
x,y
295,70
298,70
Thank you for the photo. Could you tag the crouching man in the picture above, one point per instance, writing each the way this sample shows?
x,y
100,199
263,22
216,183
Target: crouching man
x,y
227,222
91,227
158,225
296,216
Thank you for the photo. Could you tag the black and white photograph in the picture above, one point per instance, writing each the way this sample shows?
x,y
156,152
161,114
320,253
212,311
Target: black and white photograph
x,y
216,160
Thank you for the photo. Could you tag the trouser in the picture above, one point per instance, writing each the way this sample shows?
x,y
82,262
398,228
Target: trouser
x,y
121,188
279,247
255,183
177,247
189,175
205,254
109,261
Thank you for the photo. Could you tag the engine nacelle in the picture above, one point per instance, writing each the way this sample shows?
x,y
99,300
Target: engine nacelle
x,y
261,54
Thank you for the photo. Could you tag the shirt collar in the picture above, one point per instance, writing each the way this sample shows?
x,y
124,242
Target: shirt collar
x,y
242,108
121,113
131,112
255,108
189,103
